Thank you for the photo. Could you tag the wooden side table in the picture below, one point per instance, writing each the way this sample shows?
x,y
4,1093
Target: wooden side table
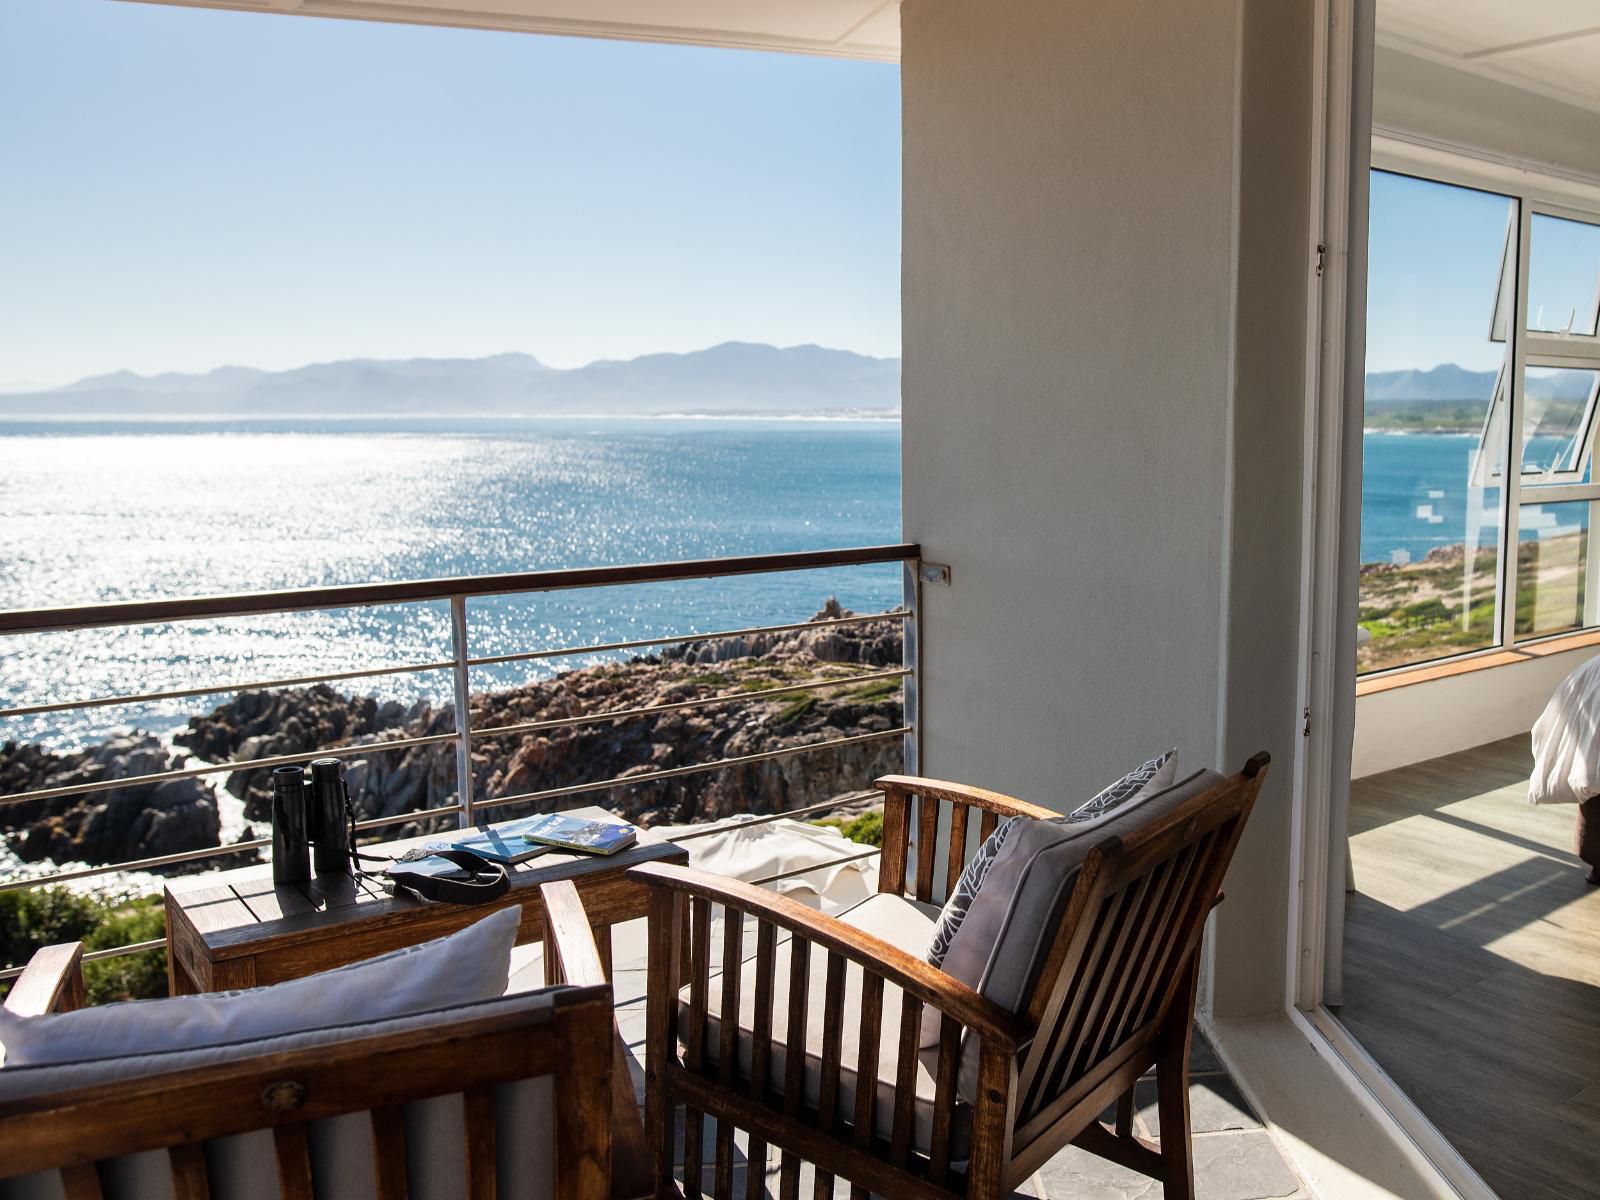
x,y
235,929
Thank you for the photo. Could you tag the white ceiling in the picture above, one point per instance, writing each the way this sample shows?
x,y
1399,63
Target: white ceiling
x,y
848,28
1547,46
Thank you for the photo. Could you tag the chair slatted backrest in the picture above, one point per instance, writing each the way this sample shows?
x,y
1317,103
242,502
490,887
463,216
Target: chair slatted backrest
x,y
82,1121
1124,948
568,1039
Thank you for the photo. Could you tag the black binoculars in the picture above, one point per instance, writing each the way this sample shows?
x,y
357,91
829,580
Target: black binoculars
x,y
306,813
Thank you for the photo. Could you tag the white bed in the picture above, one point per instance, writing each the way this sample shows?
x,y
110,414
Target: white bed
x,y
1566,741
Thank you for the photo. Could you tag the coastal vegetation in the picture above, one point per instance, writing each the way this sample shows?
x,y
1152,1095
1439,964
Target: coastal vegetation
x,y
50,916
1444,603
1446,416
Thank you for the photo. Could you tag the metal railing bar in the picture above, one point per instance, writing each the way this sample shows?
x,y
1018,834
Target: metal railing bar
x,y
160,943
244,604
766,818
138,864
601,785
29,710
97,955
626,714
893,614
255,685
247,764
823,866
403,818
168,860
461,687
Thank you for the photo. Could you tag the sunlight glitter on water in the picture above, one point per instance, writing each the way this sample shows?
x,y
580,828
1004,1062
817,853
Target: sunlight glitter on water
x,y
104,511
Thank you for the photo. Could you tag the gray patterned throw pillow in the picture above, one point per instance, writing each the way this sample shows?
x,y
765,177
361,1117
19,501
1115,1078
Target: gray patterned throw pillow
x,y
955,907
1154,775
1127,788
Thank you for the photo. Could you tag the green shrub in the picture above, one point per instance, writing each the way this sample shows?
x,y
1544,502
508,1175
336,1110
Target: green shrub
x,y
878,690
46,916
867,828
131,976
798,707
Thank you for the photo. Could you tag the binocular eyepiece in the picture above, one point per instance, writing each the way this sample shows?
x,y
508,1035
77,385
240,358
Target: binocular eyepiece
x,y
309,814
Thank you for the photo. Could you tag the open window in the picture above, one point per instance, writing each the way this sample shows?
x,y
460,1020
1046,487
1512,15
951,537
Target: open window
x,y
1561,354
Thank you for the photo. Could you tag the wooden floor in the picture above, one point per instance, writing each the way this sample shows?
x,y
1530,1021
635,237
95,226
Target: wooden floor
x,y
1472,966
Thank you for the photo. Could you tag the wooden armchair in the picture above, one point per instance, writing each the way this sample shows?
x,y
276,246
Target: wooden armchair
x,y
866,1095
203,1107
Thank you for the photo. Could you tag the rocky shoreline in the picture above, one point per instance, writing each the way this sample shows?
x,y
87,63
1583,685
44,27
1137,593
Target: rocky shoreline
x,y
143,820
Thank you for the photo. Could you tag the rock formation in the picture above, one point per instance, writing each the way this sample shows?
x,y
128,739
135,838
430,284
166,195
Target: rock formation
x,y
136,822
139,820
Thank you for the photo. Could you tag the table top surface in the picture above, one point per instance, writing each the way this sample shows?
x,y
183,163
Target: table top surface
x,y
242,908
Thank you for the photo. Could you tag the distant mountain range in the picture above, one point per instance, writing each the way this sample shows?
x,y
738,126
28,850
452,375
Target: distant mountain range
x,y
740,378
1452,399
735,378
1450,382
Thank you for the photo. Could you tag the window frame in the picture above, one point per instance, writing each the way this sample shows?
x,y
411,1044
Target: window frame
x,y
1530,193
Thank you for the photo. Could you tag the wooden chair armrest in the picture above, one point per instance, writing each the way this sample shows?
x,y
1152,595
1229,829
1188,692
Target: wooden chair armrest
x,y
570,954
51,982
961,793
874,955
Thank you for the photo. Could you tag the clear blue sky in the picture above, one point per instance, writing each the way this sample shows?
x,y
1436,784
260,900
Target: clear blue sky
x,y
184,189
1435,263
1431,274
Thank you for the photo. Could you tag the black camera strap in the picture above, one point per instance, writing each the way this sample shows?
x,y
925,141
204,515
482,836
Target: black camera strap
x,y
486,880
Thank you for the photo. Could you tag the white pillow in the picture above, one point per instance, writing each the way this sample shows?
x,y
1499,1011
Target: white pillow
x,y
467,966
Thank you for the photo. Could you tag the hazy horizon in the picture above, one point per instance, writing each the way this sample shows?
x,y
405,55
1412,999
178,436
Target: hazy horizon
x,y
24,389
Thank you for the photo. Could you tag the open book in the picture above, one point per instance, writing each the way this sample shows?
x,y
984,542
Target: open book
x,y
502,843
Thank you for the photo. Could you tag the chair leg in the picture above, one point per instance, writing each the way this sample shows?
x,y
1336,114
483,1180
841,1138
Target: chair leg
x,y
1125,1114
1172,1092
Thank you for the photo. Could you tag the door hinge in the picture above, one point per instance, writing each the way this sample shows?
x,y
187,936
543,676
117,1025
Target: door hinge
x,y
1322,254
1306,714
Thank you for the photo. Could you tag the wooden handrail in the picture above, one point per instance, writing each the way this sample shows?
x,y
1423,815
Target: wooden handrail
x,y
874,955
358,595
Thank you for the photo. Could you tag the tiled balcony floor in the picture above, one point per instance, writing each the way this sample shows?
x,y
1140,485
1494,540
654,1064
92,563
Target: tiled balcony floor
x,y
1235,1158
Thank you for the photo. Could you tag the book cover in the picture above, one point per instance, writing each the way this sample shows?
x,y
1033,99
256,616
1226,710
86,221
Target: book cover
x,y
502,843
580,833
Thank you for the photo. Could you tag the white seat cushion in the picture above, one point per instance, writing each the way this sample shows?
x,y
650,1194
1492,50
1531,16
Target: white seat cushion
x,y
902,923
471,964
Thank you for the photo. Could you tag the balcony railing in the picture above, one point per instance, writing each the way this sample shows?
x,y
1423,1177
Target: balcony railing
x,y
467,807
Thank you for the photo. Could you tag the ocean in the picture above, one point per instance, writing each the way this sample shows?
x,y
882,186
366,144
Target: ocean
x,y
1414,497
99,510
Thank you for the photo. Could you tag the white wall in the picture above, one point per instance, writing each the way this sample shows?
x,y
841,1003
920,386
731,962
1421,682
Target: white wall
x,y
1410,724
1430,98
1124,551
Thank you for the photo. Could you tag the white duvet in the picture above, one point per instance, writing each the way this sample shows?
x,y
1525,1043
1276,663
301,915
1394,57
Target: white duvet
x,y
1566,741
